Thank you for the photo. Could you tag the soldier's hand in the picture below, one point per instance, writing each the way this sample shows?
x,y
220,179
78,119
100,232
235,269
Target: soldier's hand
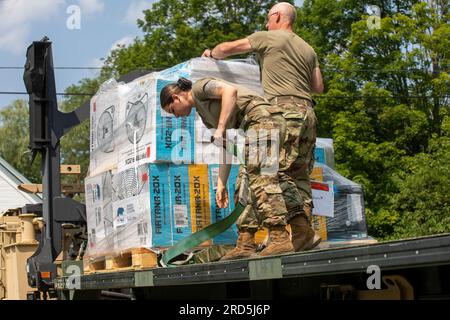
x,y
221,196
218,139
207,54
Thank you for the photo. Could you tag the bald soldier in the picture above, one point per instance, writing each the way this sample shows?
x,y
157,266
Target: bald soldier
x,y
290,74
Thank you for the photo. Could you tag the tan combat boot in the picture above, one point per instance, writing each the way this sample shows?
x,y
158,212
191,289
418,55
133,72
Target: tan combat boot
x,y
303,236
279,242
245,246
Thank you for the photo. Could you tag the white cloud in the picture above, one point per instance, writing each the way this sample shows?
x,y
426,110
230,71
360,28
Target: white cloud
x,y
14,40
125,41
91,6
135,10
16,17
299,3
98,62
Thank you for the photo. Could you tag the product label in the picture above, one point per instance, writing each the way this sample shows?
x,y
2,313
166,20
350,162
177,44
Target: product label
x,y
180,203
162,229
199,196
323,198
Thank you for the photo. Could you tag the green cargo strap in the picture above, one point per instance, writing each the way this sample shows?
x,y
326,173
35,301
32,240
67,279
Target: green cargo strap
x,y
201,236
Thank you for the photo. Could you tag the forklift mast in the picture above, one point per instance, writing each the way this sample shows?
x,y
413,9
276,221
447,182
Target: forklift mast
x,y
47,126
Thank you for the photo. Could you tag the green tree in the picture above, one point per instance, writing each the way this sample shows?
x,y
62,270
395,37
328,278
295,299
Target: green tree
x,y
75,144
14,134
177,31
422,204
14,140
386,89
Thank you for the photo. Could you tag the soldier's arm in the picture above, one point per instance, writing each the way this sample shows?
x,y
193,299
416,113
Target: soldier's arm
x,y
317,81
225,49
221,192
227,93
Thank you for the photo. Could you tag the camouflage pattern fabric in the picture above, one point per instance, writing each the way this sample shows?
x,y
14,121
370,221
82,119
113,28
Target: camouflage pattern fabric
x,y
276,198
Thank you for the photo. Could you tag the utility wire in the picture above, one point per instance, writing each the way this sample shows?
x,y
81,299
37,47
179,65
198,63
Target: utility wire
x,y
324,69
315,97
380,97
60,68
58,94
379,70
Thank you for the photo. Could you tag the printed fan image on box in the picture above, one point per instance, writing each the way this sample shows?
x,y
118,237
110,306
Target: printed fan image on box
x,y
105,128
104,120
136,119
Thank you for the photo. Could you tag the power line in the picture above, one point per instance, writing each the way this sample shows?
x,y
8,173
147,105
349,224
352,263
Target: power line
x,y
60,68
381,97
316,97
379,70
324,69
58,94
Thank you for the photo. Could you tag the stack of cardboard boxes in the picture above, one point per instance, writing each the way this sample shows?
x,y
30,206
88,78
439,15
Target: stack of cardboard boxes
x,y
152,176
338,202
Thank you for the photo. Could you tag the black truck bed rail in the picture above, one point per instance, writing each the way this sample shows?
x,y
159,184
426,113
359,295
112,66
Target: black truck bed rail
x,y
431,251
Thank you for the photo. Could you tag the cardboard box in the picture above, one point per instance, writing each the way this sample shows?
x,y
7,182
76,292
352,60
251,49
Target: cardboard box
x,y
180,204
324,151
199,197
134,133
99,212
319,225
160,214
174,138
130,208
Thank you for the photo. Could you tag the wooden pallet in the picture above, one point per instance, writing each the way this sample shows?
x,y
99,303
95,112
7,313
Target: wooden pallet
x,y
134,259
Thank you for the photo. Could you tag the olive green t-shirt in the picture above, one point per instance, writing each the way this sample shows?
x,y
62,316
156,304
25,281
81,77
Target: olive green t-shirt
x,y
209,107
286,63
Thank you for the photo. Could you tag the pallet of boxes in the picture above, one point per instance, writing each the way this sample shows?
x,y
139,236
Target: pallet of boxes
x,y
152,176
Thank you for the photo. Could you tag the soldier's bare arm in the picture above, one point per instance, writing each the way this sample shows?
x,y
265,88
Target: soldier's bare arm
x,y
317,81
229,48
216,89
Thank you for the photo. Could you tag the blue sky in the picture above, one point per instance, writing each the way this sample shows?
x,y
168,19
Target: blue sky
x,y
102,25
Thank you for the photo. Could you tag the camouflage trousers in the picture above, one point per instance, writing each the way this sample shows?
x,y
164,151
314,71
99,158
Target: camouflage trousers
x,y
290,188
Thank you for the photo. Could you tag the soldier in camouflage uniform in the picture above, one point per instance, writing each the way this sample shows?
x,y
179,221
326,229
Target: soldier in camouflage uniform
x,y
290,73
296,161
272,144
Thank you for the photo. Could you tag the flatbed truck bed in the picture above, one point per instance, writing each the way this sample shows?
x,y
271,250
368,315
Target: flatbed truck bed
x,y
341,272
